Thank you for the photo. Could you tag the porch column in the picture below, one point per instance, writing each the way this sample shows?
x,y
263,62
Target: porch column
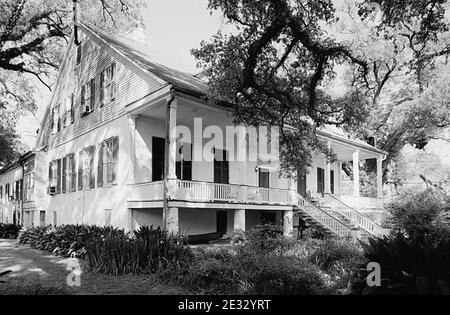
x,y
380,178
172,143
132,125
172,220
239,220
288,223
327,176
170,214
339,178
356,173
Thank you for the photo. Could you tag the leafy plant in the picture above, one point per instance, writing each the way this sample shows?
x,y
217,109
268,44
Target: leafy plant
x,y
9,231
66,240
410,265
420,215
149,251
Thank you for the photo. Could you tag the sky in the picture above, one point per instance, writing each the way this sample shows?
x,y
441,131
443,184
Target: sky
x,y
172,29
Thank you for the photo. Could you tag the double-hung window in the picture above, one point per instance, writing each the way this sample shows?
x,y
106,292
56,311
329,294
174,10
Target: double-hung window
x,y
28,186
110,160
88,97
53,175
71,173
88,171
107,85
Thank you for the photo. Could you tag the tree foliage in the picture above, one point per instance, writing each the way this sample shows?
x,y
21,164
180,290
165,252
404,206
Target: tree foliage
x,y
280,64
275,67
33,34
406,53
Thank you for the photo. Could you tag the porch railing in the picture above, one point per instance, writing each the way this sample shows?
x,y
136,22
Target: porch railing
x,y
355,217
148,191
209,192
215,192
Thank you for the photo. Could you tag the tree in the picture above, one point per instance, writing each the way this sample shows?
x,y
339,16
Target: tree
x,y
33,34
275,68
405,53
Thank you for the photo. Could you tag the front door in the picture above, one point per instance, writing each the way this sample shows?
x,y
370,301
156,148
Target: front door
x,y
221,222
301,183
320,180
221,166
158,148
332,181
264,178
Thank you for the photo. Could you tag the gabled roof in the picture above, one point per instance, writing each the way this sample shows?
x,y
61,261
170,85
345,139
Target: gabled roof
x,y
138,53
18,162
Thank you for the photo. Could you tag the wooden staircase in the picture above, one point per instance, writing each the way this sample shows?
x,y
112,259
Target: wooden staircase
x,y
335,219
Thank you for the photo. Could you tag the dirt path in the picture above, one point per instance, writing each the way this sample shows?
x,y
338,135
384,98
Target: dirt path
x,y
38,272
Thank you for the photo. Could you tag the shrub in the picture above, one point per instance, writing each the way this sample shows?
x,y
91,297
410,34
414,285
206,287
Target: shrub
x,y
420,215
262,240
211,272
257,264
10,231
409,265
110,250
65,240
282,275
150,251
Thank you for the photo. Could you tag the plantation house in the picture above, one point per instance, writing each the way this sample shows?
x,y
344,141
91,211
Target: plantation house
x,y
105,144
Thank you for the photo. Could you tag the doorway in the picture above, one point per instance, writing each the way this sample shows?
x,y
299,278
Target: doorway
x,y
158,152
221,222
301,183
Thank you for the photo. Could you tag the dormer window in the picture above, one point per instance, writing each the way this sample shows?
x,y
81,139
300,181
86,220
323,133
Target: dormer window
x,y
88,97
107,85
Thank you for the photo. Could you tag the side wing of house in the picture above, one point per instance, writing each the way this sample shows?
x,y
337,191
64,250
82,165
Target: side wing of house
x,y
10,192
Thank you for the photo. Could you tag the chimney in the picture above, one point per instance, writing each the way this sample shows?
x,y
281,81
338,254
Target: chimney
x,y
75,21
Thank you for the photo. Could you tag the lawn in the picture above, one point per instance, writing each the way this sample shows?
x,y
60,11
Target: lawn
x,y
39,272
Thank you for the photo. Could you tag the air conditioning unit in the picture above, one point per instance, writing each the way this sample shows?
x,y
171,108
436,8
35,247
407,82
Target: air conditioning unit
x,y
52,190
86,110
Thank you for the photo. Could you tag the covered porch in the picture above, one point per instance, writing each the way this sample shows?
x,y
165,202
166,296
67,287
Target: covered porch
x,y
347,150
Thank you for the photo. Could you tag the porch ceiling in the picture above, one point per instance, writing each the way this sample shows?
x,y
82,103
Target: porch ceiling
x,y
345,152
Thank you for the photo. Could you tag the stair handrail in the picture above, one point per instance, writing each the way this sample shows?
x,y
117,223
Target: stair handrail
x,y
339,228
359,219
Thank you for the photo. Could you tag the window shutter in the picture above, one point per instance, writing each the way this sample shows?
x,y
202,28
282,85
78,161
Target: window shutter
x,y
113,81
52,121
74,173
64,174
78,54
92,88
115,159
91,167
102,88
49,177
82,100
100,166
87,95
80,170
58,176
58,119
72,109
